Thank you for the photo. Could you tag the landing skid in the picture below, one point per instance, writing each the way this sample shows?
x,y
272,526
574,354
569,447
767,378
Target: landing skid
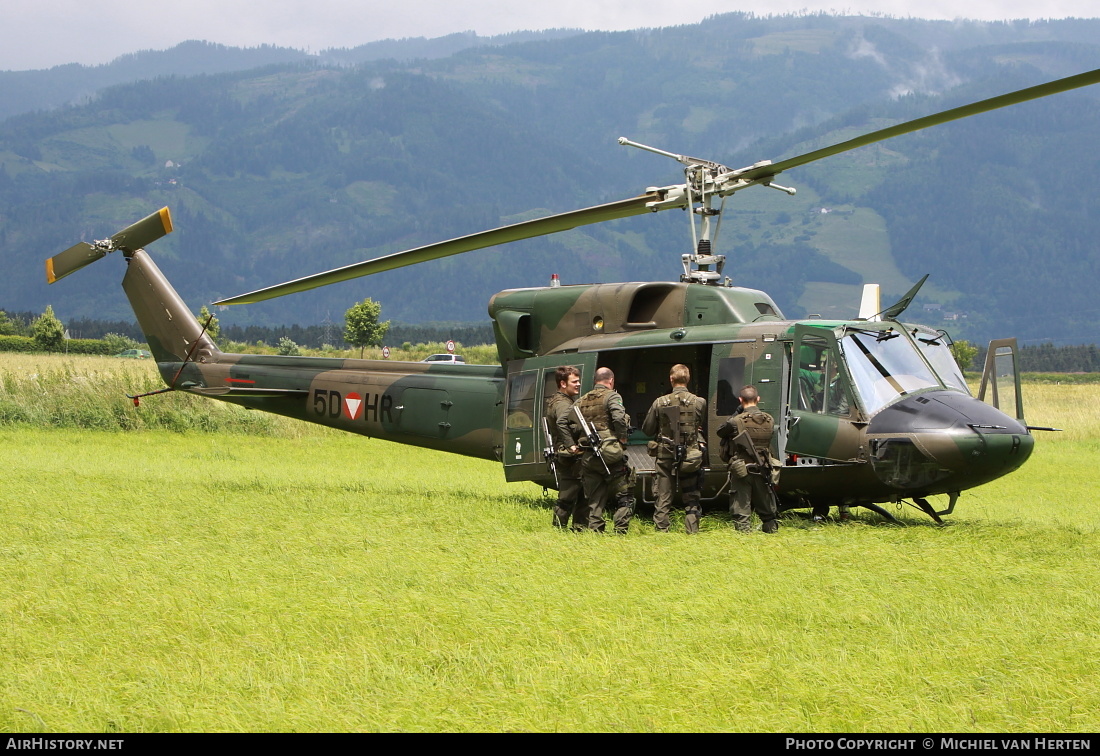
x,y
927,508
883,513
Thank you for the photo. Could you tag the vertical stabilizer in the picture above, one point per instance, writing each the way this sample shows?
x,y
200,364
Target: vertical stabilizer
x,y
169,327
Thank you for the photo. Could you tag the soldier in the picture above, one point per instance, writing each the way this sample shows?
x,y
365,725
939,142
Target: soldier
x,y
607,475
559,407
752,491
675,420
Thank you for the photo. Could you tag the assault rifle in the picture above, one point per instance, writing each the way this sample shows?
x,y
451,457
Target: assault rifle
x,y
593,438
762,465
548,451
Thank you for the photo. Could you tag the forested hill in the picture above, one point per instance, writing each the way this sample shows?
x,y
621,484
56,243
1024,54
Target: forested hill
x,y
45,89
277,172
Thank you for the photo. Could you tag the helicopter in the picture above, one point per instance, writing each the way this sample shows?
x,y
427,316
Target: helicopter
x,y
868,411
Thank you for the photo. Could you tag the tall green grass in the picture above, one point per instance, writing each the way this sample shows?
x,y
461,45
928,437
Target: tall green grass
x,y
167,581
55,391
91,392
289,578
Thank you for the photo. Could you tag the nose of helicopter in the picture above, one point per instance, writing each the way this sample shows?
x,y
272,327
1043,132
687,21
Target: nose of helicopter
x,y
944,441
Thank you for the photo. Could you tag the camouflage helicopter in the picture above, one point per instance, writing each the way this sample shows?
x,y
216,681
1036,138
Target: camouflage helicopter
x,y
869,411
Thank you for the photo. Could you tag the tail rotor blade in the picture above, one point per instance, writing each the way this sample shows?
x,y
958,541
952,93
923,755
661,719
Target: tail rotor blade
x,y
144,232
72,260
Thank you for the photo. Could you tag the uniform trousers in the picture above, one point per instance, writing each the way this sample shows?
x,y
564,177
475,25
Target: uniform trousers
x,y
571,501
750,494
689,492
602,490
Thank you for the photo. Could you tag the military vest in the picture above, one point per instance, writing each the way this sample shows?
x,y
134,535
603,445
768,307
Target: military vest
x,y
759,425
689,417
593,406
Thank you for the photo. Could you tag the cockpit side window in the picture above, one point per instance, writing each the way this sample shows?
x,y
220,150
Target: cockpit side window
x,y
820,385
936,348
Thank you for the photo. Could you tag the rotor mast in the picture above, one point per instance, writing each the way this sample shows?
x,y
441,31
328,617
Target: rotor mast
x,y
704,181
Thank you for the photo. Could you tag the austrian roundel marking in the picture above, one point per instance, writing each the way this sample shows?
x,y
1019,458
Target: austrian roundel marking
x,y
353,406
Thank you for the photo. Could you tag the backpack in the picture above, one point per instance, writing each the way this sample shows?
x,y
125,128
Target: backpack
x,y
759,426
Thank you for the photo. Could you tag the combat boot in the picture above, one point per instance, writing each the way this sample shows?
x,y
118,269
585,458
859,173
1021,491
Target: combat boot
x,y
770,526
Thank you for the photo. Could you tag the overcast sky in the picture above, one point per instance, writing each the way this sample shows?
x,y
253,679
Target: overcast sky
x,y
45,33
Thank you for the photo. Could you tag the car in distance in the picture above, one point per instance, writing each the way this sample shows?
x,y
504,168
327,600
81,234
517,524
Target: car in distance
x,y
135,354
453,359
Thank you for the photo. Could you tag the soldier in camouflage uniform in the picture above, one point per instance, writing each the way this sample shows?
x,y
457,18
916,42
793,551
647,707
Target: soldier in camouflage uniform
x,y
571,501
753,492
603,409
691,410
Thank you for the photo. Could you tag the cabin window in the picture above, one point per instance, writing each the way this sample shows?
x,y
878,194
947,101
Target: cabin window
x,y
731,377
521,401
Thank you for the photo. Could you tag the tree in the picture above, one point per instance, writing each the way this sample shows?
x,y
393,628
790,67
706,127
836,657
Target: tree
x,y
964,353
213,329
7,327
288,348
361,326
47,332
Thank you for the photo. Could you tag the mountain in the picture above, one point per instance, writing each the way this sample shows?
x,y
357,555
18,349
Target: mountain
x,y
298,166
46,89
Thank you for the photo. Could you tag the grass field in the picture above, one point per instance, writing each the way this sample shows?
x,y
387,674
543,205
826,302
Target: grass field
x,y
287,578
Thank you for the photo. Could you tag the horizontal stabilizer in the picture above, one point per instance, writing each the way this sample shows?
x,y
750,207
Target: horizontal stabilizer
x,y
252,393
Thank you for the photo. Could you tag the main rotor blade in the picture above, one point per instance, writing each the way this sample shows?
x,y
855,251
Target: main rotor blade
x,y
964,111
515,232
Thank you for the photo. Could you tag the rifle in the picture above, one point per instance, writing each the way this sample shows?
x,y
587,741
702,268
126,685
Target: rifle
x,y
743,442
548,451
593,438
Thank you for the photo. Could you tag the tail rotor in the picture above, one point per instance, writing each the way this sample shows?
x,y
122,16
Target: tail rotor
x,y
130,239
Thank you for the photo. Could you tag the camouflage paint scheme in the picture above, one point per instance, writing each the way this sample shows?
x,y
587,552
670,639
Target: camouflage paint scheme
x,y
930,440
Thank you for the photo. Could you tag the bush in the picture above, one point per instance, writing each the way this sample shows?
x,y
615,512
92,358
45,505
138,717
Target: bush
x,y
288,348
17,344
116,342
91,346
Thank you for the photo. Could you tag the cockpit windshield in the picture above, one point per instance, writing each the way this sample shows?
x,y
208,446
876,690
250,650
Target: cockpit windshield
x,y
885,365
935,349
